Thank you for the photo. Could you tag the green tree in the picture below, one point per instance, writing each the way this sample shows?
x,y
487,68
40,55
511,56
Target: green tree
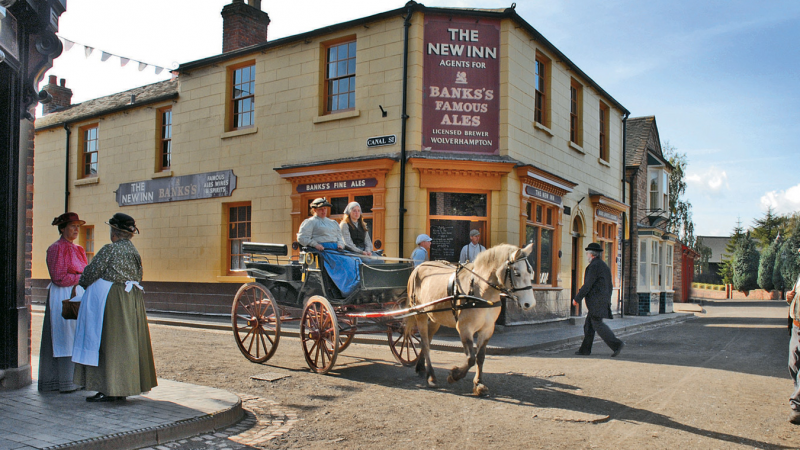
x,y
790,258
745,265
777,277
766,265
726,268
705,255
680,210
768,227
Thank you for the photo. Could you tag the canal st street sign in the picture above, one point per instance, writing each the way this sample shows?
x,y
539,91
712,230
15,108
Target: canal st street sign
x,y
380,141
173,189
544,195
337,185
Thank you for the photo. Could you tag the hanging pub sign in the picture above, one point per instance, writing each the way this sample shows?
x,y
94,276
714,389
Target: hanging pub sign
x,y
173,189
461,85
336,185
543,195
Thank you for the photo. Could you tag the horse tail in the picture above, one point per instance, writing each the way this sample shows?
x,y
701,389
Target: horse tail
x,y
412,288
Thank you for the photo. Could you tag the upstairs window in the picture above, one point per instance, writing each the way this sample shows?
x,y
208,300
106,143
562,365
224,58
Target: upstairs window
x,y
575,113
89,151
243,81
603,142
658,189
165,138
340,77
541,85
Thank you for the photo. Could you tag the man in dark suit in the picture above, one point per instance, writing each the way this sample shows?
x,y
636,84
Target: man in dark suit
x,y
597,290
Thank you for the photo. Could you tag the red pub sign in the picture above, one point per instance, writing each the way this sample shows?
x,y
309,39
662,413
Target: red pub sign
x,y
460,100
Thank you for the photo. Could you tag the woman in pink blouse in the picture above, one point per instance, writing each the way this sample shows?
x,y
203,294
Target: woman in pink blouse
x,y
65,262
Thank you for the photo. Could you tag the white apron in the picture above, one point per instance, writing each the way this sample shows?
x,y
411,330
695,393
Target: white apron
x,y
62,330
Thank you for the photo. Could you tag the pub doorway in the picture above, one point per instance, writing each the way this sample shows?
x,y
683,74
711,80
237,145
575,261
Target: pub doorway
x,y
451,216
577,248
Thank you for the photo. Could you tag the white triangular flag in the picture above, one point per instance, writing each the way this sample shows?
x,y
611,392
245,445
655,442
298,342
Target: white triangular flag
x,y
158,70
68,45
104,57
87,50
123,61
142,66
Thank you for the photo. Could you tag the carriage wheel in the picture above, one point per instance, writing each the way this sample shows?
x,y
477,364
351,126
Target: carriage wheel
x,y
346,336
404,348
319,333
256,322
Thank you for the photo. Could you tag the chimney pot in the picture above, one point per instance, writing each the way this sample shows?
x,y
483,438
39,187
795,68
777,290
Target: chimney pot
x,y
52,79
62,82
61,95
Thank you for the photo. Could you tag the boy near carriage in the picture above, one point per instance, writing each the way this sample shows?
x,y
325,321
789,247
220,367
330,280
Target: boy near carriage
x,y
597,289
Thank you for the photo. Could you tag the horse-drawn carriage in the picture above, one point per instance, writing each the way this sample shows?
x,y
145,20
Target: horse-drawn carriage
x,y
442,294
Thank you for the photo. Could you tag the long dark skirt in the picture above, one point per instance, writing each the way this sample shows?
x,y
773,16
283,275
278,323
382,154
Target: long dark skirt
x,y
55,374
125,365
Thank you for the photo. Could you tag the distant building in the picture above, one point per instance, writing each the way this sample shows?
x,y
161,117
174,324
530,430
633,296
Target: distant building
x,y
717,244
436,120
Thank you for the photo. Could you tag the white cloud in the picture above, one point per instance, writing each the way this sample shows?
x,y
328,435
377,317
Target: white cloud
x,y
783,202
712,182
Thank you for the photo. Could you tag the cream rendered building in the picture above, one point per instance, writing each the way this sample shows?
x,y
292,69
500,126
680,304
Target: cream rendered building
x,y
504,134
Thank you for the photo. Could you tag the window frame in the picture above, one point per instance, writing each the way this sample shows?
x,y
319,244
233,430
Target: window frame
x,y
230,99
326,94
160,139
576,113
229,241
661,193
643,280
541,101
82,143
607,232
603,117
532,206
87,241
668,266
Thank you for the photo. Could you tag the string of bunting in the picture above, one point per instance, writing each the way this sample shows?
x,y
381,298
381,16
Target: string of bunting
x,y
105,56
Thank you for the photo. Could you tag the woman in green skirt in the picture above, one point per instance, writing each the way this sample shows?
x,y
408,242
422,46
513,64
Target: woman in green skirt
x,y
112,351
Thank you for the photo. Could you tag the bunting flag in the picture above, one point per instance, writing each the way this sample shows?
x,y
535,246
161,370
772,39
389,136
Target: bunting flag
x,y
105,56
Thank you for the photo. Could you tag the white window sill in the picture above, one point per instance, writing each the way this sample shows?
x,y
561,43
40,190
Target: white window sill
x,y
162,174
87,181
576,147
236,133
543,128
235,279
603,162
337,116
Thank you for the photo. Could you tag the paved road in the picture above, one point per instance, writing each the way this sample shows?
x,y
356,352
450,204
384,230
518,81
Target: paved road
x,y
716,381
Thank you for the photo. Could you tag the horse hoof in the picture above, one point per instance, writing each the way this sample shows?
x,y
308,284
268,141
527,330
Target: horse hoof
x,y
432,383
480,390
450,379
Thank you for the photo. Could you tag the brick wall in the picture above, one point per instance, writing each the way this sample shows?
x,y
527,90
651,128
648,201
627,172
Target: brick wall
x,y
62,96
242,26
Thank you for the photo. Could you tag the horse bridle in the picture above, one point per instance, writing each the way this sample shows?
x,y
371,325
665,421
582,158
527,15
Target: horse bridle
x,y
509,275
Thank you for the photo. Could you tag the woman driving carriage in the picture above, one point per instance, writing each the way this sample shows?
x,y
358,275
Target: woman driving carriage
x,y
324,234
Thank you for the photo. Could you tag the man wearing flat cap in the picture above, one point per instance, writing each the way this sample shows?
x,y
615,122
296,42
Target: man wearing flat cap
x,y
597,290
470,251
420,254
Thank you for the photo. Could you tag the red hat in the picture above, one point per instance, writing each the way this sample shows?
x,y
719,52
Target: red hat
x,y
67,218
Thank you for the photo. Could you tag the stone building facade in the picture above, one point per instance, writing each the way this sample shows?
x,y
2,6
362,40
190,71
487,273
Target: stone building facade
x,y
436,120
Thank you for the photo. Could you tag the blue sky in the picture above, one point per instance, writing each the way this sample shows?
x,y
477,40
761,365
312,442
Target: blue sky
x,y
721,77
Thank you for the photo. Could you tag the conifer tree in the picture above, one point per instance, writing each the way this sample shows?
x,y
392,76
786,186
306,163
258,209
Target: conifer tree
x,y
766,264
767,228
745,265
790,264
726,268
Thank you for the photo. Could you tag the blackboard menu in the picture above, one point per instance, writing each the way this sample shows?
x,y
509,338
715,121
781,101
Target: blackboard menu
x,y
448,236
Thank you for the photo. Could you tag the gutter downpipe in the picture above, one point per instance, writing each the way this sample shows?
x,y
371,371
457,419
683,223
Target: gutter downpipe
x,y
630,240
404,118
66,170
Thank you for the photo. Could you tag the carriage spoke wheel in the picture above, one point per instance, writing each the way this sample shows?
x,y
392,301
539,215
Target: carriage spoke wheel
x,y
346,336
405,348
319,333
256,322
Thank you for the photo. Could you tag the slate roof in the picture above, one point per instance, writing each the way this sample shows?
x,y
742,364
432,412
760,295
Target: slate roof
x,y
637,134
151,93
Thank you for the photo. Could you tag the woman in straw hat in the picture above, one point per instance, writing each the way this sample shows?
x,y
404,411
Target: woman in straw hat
x,y
65,262
112,350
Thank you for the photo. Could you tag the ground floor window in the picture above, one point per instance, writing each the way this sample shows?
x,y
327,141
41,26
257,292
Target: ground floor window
x,y
540,230
87,241
239,231
655,264
607,236
340,200
451,216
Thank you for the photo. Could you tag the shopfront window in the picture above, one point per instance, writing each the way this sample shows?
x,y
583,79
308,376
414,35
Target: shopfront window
x,y
451,217
539,231
606,236
340,202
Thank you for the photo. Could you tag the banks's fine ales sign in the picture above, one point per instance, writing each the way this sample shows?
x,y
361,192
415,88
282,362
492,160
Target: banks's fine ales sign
x,y
461,104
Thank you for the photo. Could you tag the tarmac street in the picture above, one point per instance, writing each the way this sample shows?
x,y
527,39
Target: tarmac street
x,y
712,377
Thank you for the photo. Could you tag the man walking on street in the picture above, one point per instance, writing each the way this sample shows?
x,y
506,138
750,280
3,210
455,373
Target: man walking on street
x,y
597,290
794,351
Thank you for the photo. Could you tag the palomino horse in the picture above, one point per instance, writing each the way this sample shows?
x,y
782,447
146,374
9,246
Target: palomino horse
x,y
503,269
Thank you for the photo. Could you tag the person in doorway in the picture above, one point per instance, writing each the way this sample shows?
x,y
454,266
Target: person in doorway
x,y
470,251
113,351
324,234
354,230
597,290
65,262
794,351
421,253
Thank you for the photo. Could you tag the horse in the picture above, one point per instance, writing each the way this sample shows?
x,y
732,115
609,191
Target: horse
x,y
501,270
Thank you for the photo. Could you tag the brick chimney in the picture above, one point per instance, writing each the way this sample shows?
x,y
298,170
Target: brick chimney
x,y
243,25
62,95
